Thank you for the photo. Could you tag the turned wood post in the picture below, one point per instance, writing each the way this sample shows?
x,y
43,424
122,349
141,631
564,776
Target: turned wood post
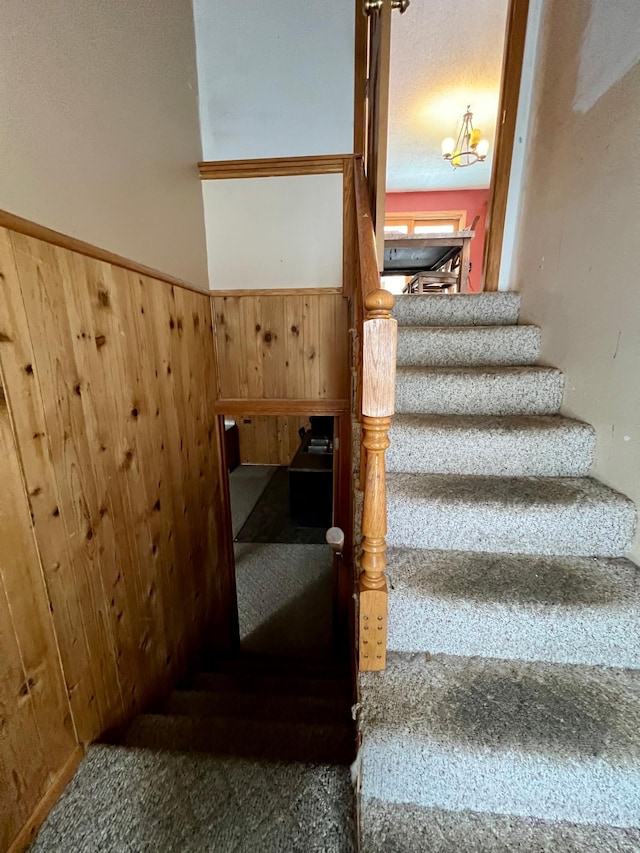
x,y
378,400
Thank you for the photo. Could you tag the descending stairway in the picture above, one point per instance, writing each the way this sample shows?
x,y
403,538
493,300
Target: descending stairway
x,y
508,718
254,757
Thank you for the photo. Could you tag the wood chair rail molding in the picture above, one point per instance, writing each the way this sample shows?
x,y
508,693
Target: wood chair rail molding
x,y
273,167
376,371
279,291
249,406
12,222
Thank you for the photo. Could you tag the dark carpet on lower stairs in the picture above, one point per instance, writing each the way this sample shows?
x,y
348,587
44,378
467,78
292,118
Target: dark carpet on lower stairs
x,y
255,756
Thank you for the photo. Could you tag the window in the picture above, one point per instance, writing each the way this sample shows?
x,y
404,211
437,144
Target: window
x,y
436,222
447,228
428,222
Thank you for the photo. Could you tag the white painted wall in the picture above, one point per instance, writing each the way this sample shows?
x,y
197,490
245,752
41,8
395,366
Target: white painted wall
x,y
578,261
274,232
275,78
99,135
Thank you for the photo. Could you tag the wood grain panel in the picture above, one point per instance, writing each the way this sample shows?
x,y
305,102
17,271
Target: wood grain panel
x,y
110,380
284,347
36,730
268,440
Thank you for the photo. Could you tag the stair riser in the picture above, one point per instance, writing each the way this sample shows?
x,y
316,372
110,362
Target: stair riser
x,y
462,393
563,530
254,706
507,453
580,635
407,827
505,345
406,769
286,685
277,741
485,309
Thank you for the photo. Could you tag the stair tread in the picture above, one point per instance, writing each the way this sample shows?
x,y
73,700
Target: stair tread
x,y
530,607
458,309
489,705
136,799
479,389
408,827
516,492
516,580
536,739
499,445
325,743
520,328
476,370
530,515
460,345
495,423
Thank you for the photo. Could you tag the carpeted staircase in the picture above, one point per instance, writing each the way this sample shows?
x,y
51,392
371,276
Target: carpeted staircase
x,y
508,718
253,757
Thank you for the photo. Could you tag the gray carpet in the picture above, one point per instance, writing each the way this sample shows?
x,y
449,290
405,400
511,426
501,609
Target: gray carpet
x,y
505,720
246,484
271,519
134,800
284,598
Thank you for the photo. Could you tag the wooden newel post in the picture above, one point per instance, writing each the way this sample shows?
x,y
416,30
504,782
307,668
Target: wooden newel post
x,y
378,401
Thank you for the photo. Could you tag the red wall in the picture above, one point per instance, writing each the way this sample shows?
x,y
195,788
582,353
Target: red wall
x,y
473,201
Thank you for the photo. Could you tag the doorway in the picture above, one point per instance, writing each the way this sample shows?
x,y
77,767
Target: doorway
x,y
283,475
443,75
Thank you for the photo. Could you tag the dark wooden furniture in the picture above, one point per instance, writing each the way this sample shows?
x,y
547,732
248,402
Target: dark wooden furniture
x,y
311,476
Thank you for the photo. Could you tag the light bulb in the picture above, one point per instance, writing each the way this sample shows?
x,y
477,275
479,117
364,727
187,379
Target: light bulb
x,y
448,145
483,148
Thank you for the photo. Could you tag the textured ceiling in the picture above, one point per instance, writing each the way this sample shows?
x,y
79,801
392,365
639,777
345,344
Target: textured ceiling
x,y
445,54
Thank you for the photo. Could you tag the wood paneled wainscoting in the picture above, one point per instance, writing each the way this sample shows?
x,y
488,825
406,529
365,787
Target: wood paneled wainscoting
x,y
282,346
113,564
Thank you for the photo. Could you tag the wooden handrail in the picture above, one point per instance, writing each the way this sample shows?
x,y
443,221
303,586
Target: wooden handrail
x,y
367,252
376,381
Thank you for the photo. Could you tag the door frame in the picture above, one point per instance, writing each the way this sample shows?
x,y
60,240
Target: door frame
x,y
343,570
515,35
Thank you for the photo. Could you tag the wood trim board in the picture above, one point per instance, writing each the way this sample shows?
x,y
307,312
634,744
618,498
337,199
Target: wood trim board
x,y
427,215
240,406
272,167
40,232
281,291
505,131
39,814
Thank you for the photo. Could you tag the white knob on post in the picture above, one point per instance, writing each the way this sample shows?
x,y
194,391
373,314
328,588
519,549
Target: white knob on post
x,y
335,539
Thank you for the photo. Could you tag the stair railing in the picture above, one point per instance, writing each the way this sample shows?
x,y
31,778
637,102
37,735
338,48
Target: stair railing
x,y
376,376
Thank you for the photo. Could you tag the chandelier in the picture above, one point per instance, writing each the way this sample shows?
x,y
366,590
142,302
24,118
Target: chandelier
x,y
469,147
